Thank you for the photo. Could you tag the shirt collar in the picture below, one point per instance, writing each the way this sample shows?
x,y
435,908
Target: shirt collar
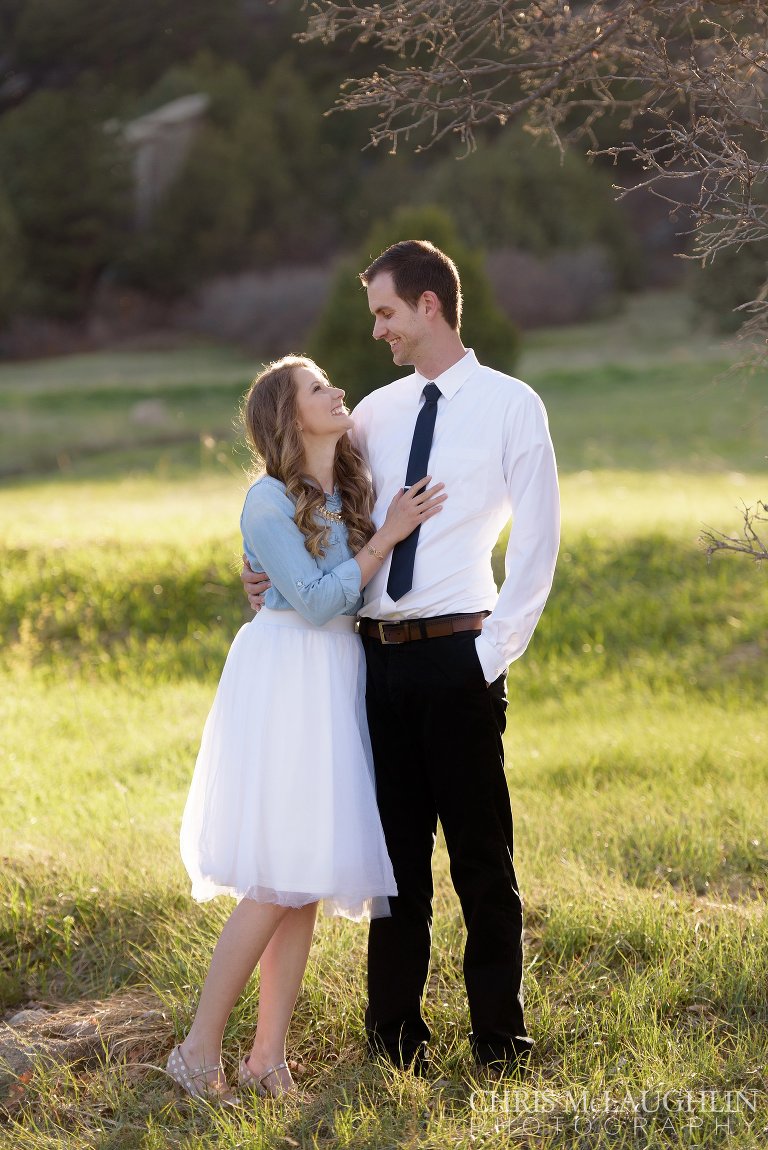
x,y
452,379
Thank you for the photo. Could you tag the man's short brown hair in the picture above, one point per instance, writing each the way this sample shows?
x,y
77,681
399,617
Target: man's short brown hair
x,y
417,266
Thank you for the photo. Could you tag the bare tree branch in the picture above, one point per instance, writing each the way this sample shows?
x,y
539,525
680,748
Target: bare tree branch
x,y
749,542
688,77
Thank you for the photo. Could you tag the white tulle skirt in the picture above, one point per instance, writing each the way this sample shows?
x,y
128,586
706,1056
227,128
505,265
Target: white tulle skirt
x,y
282,807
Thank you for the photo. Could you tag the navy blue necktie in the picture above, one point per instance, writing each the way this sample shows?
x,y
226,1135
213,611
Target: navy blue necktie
x,y
400,578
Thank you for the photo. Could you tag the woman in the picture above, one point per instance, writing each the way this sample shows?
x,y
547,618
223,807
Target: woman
x,y
282,811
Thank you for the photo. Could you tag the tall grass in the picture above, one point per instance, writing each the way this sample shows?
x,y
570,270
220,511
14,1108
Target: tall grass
x,y
636,751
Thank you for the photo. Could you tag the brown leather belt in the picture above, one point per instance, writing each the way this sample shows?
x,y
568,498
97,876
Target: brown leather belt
x,y
408,630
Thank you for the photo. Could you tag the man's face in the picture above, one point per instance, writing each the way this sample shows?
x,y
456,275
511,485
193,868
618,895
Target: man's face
x,y
395,321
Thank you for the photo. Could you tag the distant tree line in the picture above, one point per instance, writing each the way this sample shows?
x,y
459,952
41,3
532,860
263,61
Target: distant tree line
x,y
268,180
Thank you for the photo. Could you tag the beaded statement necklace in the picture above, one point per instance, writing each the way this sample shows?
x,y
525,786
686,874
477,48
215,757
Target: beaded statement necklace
x,y
332,516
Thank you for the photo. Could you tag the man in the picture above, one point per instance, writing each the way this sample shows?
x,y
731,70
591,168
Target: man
x,y
438,642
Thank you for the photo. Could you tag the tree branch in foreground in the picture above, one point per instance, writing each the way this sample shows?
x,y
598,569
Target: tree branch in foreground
x,y
749,542
688,79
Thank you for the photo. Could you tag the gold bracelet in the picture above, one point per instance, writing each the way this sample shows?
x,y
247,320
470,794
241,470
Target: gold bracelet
x,y
375,552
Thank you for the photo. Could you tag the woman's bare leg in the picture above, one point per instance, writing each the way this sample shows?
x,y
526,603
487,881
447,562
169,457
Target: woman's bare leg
x,y
282,968
242,943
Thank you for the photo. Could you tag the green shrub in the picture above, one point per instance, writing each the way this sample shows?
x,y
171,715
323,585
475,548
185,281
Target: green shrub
x,y
67,184
342,340
201,225
224,83
127,45
11,258
514,194
244,195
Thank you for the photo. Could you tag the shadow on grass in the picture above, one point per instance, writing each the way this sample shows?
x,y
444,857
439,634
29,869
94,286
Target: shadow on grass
x,y
648,609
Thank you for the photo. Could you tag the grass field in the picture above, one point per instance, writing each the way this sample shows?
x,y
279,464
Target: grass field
x,y
637,748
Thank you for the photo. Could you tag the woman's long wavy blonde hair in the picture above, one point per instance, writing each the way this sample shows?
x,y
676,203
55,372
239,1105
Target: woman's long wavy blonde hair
x,y
271,424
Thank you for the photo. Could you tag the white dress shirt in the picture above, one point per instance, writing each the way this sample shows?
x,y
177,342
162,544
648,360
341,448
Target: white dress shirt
x,y
492,450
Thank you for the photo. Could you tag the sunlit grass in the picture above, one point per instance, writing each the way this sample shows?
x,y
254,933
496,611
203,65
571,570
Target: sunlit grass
x,y
618,504
641,851
116,760
653,328
177,511
636,757
204,506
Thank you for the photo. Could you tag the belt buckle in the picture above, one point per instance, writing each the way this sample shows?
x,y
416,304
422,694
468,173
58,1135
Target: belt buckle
x,y
382,636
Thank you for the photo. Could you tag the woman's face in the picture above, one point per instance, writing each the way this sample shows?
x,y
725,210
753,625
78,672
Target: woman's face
x,y
319,406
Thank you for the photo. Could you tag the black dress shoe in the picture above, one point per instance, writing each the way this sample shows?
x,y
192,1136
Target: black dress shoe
x,y
421,1063
418,1060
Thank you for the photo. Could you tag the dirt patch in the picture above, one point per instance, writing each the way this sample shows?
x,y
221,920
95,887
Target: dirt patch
x,y
130,1027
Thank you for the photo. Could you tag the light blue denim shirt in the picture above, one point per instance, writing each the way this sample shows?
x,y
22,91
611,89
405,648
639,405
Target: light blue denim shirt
x,y
318,589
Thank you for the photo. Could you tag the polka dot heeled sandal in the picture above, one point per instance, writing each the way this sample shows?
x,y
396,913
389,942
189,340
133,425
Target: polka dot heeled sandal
x,y
195,1082
247,1080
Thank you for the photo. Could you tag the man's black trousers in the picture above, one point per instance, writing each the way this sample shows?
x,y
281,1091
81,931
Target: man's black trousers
x,y
436,730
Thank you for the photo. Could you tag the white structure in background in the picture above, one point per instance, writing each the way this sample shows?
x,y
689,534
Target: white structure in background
x,y
159,143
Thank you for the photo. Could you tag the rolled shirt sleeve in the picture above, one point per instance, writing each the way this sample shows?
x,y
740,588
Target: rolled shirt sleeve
x,y
274,544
